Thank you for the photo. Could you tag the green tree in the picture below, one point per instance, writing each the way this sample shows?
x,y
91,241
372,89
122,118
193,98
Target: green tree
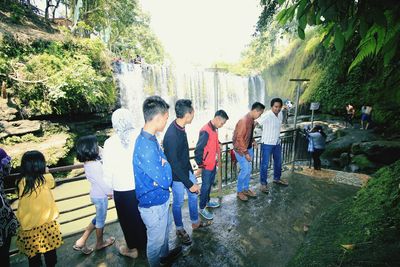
x,y
375,24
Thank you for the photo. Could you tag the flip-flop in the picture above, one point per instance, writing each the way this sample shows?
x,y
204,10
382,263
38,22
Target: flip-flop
x,y
108,242
85,250
281,182
203,224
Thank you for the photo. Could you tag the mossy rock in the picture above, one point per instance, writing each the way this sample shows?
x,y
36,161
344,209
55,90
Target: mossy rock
x,y
360,231
345,140
364,164
385,152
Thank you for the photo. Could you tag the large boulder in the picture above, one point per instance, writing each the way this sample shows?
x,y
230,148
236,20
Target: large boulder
x,y
345,139
20,127
7,113
385,152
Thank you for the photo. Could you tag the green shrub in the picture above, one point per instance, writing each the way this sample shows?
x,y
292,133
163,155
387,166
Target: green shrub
x,y
72,76
370,223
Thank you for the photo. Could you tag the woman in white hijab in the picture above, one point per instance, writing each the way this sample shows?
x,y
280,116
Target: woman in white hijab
x,y
118,174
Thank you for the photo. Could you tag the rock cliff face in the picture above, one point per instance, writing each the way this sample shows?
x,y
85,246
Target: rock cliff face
x,y
360,151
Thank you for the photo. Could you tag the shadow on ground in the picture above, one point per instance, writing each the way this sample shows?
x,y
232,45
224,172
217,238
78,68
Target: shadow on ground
x,y
265,231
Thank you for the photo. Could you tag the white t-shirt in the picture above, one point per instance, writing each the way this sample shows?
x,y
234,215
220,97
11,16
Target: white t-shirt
x,y
118,163
271,128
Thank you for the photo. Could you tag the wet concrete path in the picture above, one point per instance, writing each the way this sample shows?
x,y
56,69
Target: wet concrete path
x,y
265,231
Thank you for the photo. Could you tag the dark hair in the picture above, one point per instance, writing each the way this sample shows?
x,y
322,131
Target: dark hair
x,y
258,106
183,106
318,128
33,166
152,106
275,100
87,148
221,113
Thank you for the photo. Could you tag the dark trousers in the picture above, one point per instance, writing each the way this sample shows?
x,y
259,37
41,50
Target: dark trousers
x,y
207,180
5,252
316,158
349,119
50,258
129,218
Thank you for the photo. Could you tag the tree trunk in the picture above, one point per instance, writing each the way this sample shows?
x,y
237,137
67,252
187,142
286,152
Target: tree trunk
x,y
4,90
46,11
55,8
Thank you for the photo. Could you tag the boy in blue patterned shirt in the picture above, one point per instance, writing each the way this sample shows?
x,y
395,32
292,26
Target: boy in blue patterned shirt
x,y
153,178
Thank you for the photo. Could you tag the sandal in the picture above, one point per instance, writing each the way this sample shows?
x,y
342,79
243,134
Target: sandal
x,y
202,224
108,242
281,182
184,237
85,250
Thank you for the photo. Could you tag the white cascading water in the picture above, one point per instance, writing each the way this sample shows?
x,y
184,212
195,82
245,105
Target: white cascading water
x,y
235,95
256,83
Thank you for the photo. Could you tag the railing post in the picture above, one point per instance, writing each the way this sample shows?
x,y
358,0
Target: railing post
x,y
219,176
299,81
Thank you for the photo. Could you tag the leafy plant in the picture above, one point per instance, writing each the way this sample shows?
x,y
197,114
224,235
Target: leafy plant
x,y
375,24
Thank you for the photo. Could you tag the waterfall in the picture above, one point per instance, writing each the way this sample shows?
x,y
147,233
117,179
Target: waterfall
x,y
235,93
256,90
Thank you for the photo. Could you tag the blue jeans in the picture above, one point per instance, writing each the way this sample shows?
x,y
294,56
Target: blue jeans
x,y
276,151
245,171
207,180
158,223
101,205
178,192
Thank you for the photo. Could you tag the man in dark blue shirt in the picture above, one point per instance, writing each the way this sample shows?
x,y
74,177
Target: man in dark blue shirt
x,y
153,178
176,149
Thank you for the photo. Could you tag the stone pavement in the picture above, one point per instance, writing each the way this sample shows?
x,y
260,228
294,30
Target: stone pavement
x,y
265,231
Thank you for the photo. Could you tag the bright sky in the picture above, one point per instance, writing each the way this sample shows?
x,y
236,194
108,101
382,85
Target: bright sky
x,y
203,31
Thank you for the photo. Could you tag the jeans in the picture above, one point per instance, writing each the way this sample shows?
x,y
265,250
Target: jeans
x,y
158,223
207,178
276,151
178,192
101,205
245,171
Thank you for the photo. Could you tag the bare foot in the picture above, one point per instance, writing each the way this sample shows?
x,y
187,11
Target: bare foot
x,y
108,242
125,251
79,243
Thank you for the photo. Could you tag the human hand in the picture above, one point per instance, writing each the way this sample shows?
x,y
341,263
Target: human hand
x,y
198,172
194,189
248,158
254,144
163,162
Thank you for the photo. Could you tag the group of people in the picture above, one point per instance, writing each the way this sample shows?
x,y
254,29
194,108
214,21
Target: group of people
x,y
138,173
366,111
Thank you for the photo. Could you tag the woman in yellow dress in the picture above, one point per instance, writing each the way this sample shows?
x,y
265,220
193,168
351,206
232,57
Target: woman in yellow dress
x,y
39,232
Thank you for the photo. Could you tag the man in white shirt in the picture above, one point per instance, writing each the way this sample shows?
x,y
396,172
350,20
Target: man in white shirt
x,y
271,122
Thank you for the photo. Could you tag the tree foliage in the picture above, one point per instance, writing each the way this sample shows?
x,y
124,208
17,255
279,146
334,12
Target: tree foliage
x,y
58,77
122,25
375,24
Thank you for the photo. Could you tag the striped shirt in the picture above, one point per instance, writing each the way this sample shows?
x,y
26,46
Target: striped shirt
x,y
271,128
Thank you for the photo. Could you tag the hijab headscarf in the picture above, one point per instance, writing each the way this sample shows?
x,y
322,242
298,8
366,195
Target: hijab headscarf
x,y
4,162
122,122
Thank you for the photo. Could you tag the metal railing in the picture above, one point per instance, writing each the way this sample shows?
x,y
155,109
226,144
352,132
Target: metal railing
x,y
228,169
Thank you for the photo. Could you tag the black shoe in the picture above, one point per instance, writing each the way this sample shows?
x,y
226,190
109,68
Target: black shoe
x,y
172,256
